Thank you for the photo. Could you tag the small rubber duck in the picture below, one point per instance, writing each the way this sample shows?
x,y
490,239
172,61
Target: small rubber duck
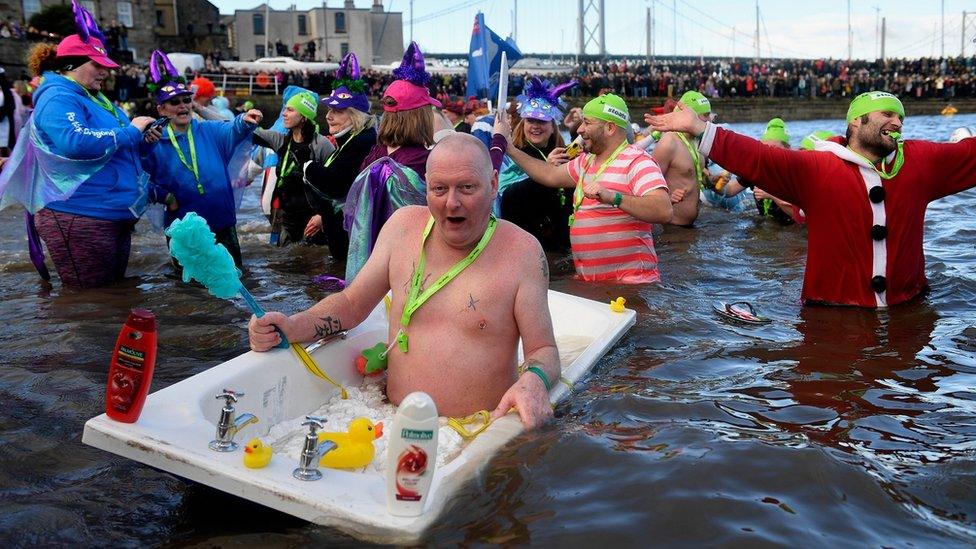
x,y
257,454
354,449
617,305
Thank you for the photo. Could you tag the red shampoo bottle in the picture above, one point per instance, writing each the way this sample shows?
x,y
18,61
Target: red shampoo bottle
x,y
131,370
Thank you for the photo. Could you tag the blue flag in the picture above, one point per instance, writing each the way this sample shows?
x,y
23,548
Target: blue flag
x,y
485,59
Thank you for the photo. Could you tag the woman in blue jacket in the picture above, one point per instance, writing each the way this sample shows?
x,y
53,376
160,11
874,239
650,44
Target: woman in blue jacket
x,y
195,166
103,191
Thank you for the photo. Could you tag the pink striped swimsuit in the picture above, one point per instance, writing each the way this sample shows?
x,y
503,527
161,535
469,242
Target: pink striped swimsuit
x,y
608,243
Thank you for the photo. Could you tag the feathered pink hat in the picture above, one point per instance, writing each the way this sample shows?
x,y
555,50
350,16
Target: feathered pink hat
x,y
89,42
409,91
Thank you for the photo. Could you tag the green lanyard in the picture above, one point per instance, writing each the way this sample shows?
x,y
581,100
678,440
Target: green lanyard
x,y
695,158
328,161
895,167
193,154
578,194
99,100
416,298
285,167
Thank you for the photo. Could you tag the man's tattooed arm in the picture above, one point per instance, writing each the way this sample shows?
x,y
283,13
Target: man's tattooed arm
x,y
326,326
545,265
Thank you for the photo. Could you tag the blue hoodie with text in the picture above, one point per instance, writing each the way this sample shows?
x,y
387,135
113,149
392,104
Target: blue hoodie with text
x,y
216,142
74,126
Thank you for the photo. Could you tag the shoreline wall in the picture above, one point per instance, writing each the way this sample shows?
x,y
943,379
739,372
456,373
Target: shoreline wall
x,y
793,108
729,110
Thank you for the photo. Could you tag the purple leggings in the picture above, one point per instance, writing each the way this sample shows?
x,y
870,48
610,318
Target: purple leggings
x,y
87,252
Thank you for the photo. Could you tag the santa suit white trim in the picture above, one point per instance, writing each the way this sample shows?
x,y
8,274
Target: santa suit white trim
x,y
869,174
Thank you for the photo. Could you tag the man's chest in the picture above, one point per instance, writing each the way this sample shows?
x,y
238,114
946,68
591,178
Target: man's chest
x,y
472,301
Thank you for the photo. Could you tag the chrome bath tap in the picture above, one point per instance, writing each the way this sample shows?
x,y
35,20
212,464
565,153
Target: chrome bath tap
x,y
228,426
312,451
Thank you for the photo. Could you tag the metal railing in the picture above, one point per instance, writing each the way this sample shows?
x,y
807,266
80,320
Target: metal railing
x,y
245,84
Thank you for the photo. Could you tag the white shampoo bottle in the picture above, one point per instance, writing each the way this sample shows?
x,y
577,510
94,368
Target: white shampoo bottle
x,y
411,455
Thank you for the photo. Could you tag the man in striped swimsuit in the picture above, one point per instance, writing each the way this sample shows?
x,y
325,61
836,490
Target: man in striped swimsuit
x,y
620,191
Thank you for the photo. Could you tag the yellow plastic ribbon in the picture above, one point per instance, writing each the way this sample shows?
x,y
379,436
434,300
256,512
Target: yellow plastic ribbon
x,y
482,417
310,365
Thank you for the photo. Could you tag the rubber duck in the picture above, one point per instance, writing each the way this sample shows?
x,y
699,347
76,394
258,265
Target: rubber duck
x,y
354,448
617,305
257,454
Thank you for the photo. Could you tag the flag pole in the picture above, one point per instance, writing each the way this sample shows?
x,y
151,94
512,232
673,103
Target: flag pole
x,y
503,83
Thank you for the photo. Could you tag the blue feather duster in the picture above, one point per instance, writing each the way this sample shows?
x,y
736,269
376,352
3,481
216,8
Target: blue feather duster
x,y
195,247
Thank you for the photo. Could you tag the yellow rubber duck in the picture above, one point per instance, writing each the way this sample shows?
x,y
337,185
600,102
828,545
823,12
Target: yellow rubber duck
x,y
257,454
617,305
354,449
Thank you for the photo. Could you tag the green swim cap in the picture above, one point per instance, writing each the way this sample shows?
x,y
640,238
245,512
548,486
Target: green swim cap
x,y
698,102
809,142
248,105
304,102
776,131
608,107
874,101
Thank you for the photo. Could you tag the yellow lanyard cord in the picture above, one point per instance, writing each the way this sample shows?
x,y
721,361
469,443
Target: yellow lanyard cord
x,y
578,194
328,161
194,169
416,298
285,167
459,424
695,159
100,100
310,365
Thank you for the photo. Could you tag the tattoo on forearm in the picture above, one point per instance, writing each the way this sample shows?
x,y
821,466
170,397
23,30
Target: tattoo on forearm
x,y
545,265
330,325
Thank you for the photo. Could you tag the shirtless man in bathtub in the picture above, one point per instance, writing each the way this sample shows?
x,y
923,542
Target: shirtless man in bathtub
x,y
459,345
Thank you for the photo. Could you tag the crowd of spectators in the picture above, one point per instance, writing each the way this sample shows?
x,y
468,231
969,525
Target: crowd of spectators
x,y
919,78
943,78
16,30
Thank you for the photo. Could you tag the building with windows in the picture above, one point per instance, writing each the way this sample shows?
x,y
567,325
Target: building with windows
x,y
322,33
135,42
171,25
192,26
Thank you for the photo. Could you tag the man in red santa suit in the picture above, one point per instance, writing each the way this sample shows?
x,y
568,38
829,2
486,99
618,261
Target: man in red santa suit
x,y
864,196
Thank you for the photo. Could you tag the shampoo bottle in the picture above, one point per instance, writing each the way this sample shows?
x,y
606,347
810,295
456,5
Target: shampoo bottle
x,y
130,372
411,455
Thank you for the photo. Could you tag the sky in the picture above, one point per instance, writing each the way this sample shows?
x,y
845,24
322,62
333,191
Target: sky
x,y
787,28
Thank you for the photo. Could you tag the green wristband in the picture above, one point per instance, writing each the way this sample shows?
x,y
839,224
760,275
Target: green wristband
x,y
617,199
542,375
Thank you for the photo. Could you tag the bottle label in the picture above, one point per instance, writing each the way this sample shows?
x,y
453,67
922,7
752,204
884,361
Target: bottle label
x,y
410,469
131,358
124,388
414,434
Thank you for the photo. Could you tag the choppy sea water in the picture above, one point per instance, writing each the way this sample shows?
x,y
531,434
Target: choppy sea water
x,y
839,427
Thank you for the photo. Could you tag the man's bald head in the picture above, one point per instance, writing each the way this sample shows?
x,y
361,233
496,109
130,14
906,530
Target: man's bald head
x,y
461,148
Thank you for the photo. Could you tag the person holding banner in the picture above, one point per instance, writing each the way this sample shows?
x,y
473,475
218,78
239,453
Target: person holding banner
x,y
541,211
619,192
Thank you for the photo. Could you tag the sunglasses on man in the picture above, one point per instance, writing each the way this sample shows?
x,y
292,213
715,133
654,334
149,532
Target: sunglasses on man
x,y
177,101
